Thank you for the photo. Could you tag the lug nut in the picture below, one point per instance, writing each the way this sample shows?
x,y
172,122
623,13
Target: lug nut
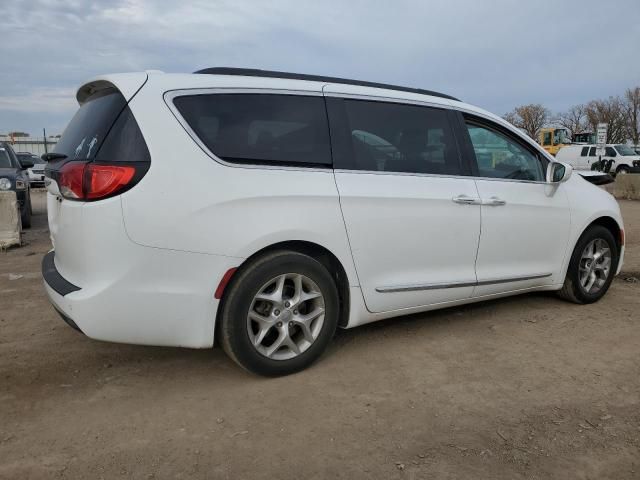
x,y
279,324
287,304
295,312
276,312
291,324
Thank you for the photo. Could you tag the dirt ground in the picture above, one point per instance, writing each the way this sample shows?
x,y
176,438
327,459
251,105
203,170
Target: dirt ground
x,y
525,387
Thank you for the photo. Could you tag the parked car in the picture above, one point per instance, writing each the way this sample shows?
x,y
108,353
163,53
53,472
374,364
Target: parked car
x,y
583,157
14,176
36,173
265,209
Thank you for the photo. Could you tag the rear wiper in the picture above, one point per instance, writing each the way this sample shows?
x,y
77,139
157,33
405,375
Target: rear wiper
x,y
48,157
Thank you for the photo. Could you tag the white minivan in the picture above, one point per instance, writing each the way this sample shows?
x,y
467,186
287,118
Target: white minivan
x,y
266,209
582,157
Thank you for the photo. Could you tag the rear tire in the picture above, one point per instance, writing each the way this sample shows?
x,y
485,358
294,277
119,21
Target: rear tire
x,y
279,313
588,278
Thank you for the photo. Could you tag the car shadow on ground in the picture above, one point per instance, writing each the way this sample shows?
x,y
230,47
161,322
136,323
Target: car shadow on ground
x,y
164,362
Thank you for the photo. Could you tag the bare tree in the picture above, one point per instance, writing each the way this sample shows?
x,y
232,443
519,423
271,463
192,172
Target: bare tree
x,y
632,114
531,118
611,112
573,119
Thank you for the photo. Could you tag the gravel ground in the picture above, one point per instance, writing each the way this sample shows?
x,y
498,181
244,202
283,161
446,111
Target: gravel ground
x,y
524,387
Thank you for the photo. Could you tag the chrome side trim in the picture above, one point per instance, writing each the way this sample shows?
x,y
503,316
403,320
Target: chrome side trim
x,y
438,286
426,286
431,102
170,95
437,175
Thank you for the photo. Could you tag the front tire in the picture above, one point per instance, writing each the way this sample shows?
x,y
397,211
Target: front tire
x,y
592,267
622,170
279,313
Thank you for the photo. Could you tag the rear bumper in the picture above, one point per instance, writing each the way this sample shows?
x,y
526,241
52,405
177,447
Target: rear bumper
x,y
157,297
56,283
53,278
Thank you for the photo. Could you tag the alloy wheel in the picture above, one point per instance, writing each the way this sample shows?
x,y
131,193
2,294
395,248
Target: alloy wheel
x,y
286,316
595,265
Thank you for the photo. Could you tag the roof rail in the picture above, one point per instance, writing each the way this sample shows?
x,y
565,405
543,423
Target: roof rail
x,y
255,72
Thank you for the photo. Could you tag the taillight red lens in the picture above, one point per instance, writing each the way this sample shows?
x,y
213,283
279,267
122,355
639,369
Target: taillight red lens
x,y
71,179
89,181
104,180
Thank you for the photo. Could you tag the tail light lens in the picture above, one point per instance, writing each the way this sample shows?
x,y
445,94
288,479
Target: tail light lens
x,y
102,181
70,180
96,181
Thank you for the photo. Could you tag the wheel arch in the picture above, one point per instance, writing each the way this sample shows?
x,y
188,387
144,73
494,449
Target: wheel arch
x,y
322,254
603,219
610,224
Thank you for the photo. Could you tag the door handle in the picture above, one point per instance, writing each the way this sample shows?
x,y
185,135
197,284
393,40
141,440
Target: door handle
x,y
465,200
494,202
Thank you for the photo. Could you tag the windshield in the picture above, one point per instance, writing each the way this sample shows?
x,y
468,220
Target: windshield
x,y
5,161
30,156
561,135
625,150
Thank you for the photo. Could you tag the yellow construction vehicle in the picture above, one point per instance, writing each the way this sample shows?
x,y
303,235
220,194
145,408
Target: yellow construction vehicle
x,y
553,139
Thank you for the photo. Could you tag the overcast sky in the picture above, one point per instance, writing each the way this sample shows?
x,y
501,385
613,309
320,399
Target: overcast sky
x,y
496,54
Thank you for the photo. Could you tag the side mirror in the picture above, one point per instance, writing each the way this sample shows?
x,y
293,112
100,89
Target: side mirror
x,y
558,172
26,164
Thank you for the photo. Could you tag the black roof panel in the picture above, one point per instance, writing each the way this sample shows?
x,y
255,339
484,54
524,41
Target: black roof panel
x,y
255,72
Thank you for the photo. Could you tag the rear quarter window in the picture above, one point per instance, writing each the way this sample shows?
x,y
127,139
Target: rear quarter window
x,y
260,128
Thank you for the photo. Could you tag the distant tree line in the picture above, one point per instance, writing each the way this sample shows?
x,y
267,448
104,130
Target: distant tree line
x,y
620,113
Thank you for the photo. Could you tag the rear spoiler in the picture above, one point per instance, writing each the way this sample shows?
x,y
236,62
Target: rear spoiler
x,y
127,83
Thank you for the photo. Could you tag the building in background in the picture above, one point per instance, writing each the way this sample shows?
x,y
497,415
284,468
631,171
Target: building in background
x,y
23,142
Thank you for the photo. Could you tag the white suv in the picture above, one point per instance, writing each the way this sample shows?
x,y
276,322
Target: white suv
x,y
266,209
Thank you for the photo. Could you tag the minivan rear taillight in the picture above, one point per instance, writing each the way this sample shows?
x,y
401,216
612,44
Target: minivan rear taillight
x,y
96,181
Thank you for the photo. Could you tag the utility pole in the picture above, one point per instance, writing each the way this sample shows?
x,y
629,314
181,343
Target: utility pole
x,y
44,133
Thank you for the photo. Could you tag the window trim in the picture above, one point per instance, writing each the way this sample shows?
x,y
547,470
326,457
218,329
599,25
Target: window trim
x,y
491,125
170,95
338,120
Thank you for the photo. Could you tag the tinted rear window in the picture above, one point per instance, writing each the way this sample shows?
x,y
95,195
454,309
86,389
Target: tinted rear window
x,y
260,128
104,129
89,126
